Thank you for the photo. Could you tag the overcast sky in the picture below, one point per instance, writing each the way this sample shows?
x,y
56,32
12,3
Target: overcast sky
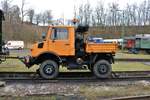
x,y
66,7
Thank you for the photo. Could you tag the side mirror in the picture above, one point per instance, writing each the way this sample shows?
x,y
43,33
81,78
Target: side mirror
x,y
53,39
43,35
54,35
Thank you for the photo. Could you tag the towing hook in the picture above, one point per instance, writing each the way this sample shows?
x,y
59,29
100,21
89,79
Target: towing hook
x,y
25,60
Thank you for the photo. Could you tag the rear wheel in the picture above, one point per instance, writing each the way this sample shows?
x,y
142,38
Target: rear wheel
x,y
49,69
102,69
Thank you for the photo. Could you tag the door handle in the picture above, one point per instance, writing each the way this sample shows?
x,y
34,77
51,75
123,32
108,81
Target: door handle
x,y
67,44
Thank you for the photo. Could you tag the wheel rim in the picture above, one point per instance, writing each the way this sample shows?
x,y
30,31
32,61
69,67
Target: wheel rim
x,y
49,69
102,68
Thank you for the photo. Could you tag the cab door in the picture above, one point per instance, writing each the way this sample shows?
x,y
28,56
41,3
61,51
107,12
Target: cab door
x,y
60,42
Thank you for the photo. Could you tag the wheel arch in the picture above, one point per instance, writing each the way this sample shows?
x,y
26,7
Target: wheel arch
x,y
109,57
48,55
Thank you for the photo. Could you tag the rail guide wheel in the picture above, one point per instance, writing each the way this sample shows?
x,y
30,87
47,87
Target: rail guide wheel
x,y
49,69
102,69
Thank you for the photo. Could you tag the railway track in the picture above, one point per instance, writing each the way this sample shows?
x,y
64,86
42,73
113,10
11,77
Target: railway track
x,y
118,78
117,75
80,76
131,60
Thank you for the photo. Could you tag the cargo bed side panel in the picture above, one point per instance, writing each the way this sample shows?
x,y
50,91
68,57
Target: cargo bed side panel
x,y
101,47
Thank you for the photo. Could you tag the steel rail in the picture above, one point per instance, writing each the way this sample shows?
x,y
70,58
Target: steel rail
x,y
117,75
131,60
141,97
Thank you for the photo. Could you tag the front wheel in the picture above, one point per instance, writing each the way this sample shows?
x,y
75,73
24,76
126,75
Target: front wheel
x,y
102,69
49,69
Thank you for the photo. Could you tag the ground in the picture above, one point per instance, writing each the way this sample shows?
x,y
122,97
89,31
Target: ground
x,y
73,90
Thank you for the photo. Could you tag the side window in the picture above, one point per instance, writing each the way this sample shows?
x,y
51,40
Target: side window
x,y
59,34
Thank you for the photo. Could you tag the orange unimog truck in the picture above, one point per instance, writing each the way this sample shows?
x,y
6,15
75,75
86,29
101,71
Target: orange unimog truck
x,y
66,46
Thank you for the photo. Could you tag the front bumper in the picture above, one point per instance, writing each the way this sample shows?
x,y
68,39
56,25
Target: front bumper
x,y
28,61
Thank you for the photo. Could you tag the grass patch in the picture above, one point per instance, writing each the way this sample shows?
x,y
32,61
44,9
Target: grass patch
x,y
136,66
14,65
127,55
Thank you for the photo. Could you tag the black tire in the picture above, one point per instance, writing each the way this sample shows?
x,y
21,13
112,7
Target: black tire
x,y
148,51
102,69
136,51
19,48
49,69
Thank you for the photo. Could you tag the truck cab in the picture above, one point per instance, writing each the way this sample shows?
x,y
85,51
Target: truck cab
x,y
59,40
66,46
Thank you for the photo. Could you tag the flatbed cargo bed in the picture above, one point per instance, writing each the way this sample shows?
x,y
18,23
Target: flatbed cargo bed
x,y
101,47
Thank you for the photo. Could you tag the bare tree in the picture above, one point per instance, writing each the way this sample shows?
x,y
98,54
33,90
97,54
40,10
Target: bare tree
x,y
134,14
38,18
143,8
100,13
148,11
108,18
15,14
6,6
139,16
114,8
87,13
23,11
75,12
31,15
48,15
81,14
43,18
93,20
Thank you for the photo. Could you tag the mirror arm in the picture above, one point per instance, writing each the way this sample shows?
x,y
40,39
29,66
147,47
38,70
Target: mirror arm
x,y
53,40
